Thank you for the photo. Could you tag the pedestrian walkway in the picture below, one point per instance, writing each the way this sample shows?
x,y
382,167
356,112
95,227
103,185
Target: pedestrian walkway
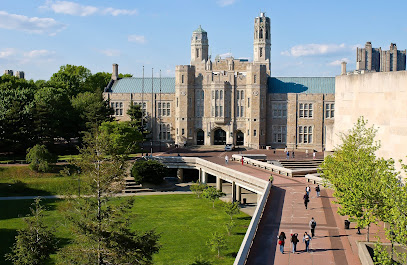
x,y
285,212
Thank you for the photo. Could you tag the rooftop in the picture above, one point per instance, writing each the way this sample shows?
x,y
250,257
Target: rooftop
x,y
200,30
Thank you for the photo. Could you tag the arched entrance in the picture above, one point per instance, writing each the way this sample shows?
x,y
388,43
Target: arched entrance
x,y
200,135
219,137
239,138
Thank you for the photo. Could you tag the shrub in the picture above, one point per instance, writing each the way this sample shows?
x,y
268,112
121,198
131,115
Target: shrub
x,y
148,171
40,158
198,188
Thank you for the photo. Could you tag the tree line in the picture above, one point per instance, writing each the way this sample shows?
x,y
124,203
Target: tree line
x,y
49,112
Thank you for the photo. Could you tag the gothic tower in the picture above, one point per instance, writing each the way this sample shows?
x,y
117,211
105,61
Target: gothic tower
x,y
199,46
262,43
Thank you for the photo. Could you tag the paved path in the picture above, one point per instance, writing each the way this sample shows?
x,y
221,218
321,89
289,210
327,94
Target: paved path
x,y
285,211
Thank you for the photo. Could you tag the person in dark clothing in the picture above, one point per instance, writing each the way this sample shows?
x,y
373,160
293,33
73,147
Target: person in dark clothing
x,y
294,241
312,225
318,190
306,200
281,241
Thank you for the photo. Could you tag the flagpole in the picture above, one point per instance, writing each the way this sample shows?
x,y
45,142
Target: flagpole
x,y
152,110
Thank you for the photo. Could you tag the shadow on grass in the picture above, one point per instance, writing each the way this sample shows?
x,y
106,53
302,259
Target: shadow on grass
x,y
244,218
19,188
21,208
232,254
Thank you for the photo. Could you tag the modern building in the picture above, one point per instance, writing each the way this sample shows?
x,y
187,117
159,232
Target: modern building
x,y
19,74
230,100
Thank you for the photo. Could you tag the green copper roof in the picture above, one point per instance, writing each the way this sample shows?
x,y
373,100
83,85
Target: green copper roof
x,y
301,85
200,30
135,85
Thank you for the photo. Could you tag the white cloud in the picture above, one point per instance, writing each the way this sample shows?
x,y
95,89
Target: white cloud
x,y
38,53
75,9
110,52
137,38
223,3
30,24
225,55
339,62
8,52
317,49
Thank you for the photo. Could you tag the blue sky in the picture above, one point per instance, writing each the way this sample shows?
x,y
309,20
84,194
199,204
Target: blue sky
x,y
309,38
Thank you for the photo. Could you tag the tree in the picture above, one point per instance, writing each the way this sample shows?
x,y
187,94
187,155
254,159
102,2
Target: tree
x,y
198,188
212,194
73,78
97,82
229,226
231,208
356,173
136,114
148,171
34,243
39,158
124,138
217,242
101,226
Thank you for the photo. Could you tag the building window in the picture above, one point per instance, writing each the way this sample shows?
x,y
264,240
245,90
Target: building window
x,y
279,109
254,132
183,131
117,108
305,134
242,94
241,111
164,109
248,102
238,94
305,110
182,78
177,102
329,110
165,132
254,79
279,133
261,52
197,53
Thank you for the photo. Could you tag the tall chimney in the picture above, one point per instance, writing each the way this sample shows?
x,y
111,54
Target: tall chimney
x,y
343,68
115,72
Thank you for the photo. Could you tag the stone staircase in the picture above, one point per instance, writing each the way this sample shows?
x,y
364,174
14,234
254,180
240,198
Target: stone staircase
x,y
301,164
130,186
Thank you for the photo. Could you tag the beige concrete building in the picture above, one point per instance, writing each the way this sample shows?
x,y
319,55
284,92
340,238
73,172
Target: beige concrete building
x,y
381,99
214,102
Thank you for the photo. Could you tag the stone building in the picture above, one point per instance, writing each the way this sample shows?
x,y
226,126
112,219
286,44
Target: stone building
x,y
229,100
378,60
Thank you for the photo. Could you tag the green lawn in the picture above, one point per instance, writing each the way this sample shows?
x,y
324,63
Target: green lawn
x,y
184,222
22,181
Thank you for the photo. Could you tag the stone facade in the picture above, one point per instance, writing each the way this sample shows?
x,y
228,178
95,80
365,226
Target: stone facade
x,y
378,60
214,102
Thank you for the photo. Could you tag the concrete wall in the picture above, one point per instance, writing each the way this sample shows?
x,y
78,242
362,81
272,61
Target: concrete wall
x,y
381,98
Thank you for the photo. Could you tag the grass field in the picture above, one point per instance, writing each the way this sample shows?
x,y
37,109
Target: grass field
x,y
22,181
184,222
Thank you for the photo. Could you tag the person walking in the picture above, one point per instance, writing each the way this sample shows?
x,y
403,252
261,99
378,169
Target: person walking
x,y
288,155
306,153
226,159
318,190
285,149
306,200
314,155
294,241
312,225
307,190
293,154
306,239
242,160
281,241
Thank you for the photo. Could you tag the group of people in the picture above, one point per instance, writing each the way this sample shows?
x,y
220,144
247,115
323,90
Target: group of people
x,y
314,154
312,225
294,238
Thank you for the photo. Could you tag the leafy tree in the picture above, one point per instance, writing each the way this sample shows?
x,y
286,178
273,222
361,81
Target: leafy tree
x,y
91,110
73,78
122,136
217,242
39,158
229,226
212,194
136,114
101,226
34,243
198,188
231,208
11,82
16,119
53,115
356,173
97,82
148,171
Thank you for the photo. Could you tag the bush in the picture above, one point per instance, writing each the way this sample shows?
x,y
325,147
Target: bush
x,y
198,188
39,158
148,171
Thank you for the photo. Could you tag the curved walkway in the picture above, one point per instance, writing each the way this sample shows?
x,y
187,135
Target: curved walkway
x,y
285,212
